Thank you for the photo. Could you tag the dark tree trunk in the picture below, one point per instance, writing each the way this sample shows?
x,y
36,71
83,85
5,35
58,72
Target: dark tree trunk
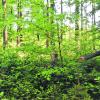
x,y
89,56
54,59
81,15
77,5
5,37
48,19
54,54
19,37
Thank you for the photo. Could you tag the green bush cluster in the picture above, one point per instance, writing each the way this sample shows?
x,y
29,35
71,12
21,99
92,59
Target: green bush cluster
x,y
30,78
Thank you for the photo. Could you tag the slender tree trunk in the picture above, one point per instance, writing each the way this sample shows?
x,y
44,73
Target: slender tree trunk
x,y
81,15
69,31
47,39
52,5
85,9
5,37
61,19
19,37
77,20
60,34
5,33
93,13
77,24
93,23
59,45
47,33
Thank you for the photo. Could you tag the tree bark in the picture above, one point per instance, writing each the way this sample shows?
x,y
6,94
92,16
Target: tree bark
x,y
54,54
47,33
19,8
77,5
89,56
54,58
81,15
93,23
5,33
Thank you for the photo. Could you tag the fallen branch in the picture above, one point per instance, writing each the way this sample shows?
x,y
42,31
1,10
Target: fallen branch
x,y
89,56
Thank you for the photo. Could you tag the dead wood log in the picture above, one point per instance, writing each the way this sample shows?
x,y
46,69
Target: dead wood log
x,y
89,56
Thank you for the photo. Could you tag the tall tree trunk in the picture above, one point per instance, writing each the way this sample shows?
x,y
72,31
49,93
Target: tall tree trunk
x,y
5,33
19,8
60,34
54,54
77,24
61,10
47,33
93,13
69,31
59,44
81,15
93,23
86,18
52,5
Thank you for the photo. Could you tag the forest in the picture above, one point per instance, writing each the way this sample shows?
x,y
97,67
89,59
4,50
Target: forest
x,y
50,50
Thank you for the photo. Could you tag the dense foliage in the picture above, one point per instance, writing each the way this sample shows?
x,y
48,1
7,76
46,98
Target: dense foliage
x,y
40,51
32,78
